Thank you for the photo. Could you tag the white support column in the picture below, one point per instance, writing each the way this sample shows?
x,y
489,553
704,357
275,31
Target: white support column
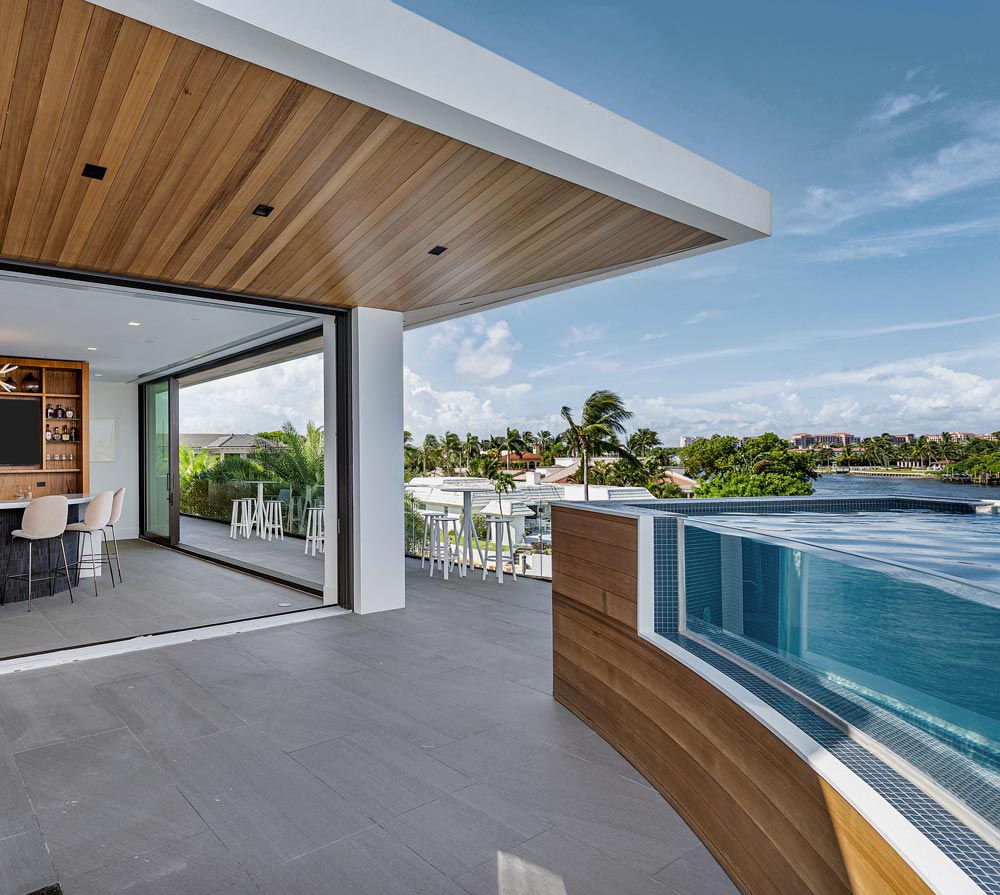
x,y
377,459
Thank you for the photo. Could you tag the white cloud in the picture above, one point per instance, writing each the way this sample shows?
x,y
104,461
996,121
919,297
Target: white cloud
x,y
257,400
461,410
510,392
702,316
901,243
579,335
892,105
487,353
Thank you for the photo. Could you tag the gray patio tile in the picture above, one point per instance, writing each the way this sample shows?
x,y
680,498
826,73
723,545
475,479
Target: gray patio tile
x,y
264,806
126,665
490,752
540,682
25,865
302,657
93,629
371,862
460,831
626,821
696,872
410,712
198,865
48,708
16,816
292,720
379,773
101,798
554,863
166,707
393,656
219,661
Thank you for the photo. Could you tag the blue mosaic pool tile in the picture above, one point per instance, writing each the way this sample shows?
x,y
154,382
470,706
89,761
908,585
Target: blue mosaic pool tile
x,y
665,575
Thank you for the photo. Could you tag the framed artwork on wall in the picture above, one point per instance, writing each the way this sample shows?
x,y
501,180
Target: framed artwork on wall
x,y
102,441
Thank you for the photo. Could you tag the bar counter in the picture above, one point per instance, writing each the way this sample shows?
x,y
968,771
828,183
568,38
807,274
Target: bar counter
x,y
14,552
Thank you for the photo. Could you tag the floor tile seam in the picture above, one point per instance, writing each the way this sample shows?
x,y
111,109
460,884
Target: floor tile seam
x,y
69,740
271,867
683,854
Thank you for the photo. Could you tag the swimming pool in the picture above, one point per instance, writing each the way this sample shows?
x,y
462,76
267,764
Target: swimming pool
x,y
898,611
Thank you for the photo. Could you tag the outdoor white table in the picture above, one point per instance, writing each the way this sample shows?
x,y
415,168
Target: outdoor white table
x,y
258,516
465,558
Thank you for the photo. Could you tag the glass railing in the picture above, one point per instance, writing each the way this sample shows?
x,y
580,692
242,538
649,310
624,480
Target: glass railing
x,y
533,533
868,640
212,500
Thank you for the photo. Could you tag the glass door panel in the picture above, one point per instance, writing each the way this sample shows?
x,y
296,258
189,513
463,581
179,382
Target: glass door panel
x,y
160,461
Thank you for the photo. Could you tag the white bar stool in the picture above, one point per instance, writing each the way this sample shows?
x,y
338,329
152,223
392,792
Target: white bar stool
x,y
315,533
116,513
443,526
96,520
274,525
241,521
499,528
44,519
427,516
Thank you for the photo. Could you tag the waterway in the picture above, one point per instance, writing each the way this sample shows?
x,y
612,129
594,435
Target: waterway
x,y
903,486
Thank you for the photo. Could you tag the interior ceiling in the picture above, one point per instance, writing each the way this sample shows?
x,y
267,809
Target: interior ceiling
x,y
194,139
53,320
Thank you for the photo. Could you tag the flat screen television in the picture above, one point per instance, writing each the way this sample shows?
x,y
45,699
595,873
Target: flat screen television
x,y
21,432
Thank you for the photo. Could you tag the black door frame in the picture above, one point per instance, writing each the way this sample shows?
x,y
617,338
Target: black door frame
x,y
173,482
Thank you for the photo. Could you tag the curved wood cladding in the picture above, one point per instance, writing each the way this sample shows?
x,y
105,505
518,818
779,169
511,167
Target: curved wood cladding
x,y
194,139
771,821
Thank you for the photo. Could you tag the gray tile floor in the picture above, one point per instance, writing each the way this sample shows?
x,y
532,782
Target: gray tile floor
x,y
416,751
162,591
285,557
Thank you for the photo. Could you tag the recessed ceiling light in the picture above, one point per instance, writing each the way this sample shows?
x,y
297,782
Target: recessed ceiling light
x,y
133,323
92,349
94,172
98,374
463,303
438,250
262,211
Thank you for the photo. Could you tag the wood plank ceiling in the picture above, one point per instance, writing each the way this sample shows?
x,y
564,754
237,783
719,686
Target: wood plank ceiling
x,y
194,139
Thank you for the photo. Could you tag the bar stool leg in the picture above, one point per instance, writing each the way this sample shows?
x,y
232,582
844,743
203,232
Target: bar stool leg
x,y
30,551
6,573
433,544
69,581
510,543
118,561
425,540
107,551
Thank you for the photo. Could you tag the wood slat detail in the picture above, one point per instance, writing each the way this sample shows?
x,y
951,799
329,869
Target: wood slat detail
x,y
193,139
770,820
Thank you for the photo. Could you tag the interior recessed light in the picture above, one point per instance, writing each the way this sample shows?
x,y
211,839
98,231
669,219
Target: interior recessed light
x,y
92,349
133,323
262,211
94,172
438,250
98,374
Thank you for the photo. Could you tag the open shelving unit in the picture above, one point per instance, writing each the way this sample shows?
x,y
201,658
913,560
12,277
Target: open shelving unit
x,y
66,384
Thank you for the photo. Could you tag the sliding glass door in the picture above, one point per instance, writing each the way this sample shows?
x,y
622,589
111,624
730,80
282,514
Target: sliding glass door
x,y
160,517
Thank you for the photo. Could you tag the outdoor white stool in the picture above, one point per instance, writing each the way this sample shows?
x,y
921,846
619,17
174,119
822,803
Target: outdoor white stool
x,y
499,528
44,519
442,527
315,533
427,515
96,520
273,520
242,519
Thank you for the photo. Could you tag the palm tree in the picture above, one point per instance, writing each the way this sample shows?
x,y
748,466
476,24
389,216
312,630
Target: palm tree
x,y
601,422
430,449
471,447
451,447
512,441
641,441
296,459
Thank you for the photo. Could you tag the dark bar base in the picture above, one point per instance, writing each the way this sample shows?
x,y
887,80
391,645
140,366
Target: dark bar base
x,y
46,556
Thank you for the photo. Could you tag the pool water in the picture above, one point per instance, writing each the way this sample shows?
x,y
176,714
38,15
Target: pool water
x,y
964,545
921,646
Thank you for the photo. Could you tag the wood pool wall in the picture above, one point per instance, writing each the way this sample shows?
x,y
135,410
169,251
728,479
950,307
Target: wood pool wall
x,y
772,822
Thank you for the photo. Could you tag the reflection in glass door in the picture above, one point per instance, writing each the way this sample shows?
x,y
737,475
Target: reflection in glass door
x,y
159,406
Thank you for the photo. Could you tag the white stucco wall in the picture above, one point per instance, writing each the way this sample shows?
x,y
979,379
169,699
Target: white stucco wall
x,y
377,459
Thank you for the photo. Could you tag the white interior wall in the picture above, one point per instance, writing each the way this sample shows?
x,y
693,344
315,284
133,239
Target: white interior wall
x,y
119,401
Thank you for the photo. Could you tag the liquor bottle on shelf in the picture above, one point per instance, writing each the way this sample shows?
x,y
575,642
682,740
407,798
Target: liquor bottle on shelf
x,y
60,413
48,432
69,413
65,433
50,411
72,433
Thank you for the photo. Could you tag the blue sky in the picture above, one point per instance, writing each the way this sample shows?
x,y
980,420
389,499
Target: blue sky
x,y
873,307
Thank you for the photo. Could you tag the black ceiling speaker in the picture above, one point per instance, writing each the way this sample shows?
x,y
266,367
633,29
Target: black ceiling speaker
x,y
262,211
94,172
438,250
